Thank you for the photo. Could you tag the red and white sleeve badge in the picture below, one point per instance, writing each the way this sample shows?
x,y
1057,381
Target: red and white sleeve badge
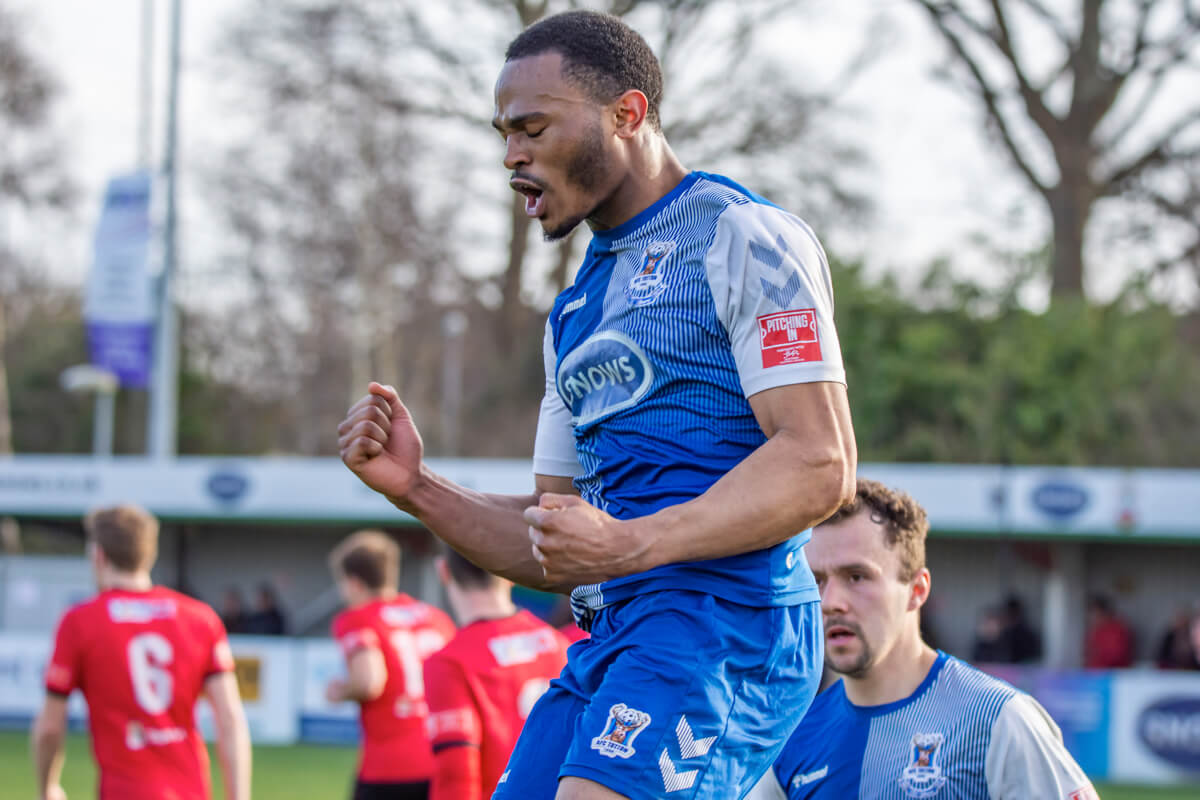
x,y
789,337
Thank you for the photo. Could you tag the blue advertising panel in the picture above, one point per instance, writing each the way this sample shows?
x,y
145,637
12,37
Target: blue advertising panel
x,y
119,304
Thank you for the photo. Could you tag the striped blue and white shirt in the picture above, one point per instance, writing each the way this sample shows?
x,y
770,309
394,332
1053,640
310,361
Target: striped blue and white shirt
x,y
962,735
675,318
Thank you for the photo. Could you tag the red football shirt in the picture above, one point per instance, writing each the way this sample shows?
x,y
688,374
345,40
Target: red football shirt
x,y
480,689
140,659
406,632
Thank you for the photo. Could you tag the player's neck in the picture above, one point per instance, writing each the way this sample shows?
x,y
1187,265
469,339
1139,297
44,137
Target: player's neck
x,y
476,606
125,581
653,172
895,677
380,596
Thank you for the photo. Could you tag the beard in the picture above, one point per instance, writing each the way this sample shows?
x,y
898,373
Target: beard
x,y
585,171
862,663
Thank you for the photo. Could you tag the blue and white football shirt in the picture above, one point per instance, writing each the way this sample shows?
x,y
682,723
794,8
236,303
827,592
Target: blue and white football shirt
x,y
675,318
962,735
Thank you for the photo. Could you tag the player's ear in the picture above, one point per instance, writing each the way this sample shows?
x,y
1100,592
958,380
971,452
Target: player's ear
x,y
629,111
919,589
443,570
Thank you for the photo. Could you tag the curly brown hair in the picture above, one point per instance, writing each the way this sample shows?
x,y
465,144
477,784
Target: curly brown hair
x,y
905,523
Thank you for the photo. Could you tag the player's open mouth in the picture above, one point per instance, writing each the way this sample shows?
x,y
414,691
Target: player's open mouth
x,y
535,203
838,634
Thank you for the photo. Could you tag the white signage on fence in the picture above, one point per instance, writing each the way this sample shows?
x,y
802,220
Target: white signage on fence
x,y
1155,734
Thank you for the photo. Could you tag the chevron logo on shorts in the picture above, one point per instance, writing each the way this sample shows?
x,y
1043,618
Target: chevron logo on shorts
x,y
689,745
674,781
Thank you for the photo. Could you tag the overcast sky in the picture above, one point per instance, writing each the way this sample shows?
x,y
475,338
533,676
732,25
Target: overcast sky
x,y
936,180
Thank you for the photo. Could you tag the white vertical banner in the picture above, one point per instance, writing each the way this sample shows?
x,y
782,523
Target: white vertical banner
x,y
119,302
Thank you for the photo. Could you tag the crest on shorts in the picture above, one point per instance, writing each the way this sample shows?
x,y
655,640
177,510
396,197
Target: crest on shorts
x,y
620,729
923,777
648,282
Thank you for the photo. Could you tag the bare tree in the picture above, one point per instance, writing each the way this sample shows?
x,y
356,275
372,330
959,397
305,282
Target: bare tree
x,y
31,174
370,209
1083,103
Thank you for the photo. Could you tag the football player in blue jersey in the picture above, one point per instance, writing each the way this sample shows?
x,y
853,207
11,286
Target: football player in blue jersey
x,y
905,720
694,419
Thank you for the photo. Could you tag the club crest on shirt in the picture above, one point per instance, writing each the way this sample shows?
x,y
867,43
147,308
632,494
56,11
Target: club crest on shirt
x,y
923,777
620,729
648,282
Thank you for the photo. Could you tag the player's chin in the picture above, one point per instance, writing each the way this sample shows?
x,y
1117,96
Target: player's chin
x,y
557,227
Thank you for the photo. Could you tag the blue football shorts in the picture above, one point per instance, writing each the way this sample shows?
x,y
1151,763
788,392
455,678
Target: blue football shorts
x,y
676,695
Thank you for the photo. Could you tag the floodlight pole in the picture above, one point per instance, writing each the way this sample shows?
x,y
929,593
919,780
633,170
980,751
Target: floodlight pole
x,y
145,83
164,394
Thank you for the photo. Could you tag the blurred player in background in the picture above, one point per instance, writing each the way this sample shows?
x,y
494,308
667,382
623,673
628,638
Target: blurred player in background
x,y
694,426
385,636
906,720
142,655
482,686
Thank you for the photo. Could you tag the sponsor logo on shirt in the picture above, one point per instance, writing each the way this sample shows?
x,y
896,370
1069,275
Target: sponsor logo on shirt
x,y
923,777
648,283
521,648
1086,793
789,337
620,729
810,777
139,736
403,616
124,609
607,373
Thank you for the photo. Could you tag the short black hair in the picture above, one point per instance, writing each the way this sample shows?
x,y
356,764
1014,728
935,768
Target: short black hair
x,y
601,55
465,573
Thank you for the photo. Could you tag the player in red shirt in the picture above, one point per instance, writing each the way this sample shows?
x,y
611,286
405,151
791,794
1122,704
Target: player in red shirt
x,y
385,636
142,655
482,686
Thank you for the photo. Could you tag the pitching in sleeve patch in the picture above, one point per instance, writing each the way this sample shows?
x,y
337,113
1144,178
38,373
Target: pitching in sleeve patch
x,y
789,337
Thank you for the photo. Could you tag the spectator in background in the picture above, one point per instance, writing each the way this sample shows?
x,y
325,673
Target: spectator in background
x,y
1004,636
233,610
1024,643
990,646
267,619
1109,642
1175,649
482,685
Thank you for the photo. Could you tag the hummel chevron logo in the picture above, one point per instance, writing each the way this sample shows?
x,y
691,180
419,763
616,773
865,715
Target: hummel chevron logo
x,y
779,295
689,745
675,781
766,255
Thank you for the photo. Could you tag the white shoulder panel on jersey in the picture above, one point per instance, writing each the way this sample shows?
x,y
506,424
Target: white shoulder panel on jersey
x,y
767,788
1026,756
771,285
554,445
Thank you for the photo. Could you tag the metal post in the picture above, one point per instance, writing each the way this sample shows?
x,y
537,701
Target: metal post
x,y
102,425
454,325
145,83
160,436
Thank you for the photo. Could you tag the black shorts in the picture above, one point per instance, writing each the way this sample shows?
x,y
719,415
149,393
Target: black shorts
x,y
391,791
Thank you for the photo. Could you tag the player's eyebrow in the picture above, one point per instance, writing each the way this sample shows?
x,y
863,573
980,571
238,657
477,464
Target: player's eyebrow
x,y
519,121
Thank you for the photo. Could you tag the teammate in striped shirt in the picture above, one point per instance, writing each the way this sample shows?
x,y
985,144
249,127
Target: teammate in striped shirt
x,y
905,720
142,655
482,685
385,636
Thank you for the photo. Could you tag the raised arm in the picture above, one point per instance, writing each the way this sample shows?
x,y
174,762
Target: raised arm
x,y
381,445
233,734
798,477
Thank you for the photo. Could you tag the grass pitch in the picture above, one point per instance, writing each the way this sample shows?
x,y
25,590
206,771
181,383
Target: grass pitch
x,y
299,772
